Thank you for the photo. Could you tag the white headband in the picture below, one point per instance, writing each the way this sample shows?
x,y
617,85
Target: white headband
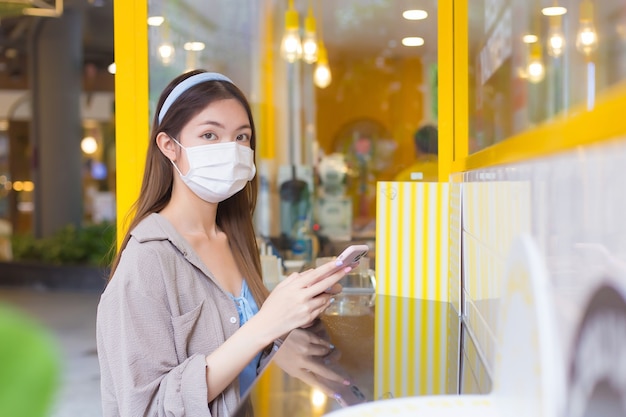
x,y
186,85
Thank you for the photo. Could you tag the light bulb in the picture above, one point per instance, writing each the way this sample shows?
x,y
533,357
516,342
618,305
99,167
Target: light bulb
x,y
291,47
155,20
322,76
166,52
535,70
556,39
89,145
309,42
587,37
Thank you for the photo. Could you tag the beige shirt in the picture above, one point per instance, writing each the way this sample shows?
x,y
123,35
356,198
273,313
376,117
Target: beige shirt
x,y
158,318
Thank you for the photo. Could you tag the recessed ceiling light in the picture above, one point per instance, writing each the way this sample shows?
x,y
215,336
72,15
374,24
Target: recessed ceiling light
x,y
415,14
155,20
412,41
193,46
553,11
530,38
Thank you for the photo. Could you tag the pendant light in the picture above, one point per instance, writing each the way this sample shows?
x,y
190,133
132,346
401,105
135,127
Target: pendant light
x,y
291,46
535,71
309,42
322,76
556,38
166,48
586,37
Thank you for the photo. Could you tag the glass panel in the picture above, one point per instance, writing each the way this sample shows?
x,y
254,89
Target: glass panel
x,y
533,61
217,35
380,92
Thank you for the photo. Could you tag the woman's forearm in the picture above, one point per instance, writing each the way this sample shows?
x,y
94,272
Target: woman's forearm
x,y
226,362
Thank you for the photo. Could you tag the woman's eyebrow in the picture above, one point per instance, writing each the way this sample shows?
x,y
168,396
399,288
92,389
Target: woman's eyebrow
x,y
221,126
244,126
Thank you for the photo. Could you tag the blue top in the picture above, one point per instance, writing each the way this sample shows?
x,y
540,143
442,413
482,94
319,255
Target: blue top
x,y
246,307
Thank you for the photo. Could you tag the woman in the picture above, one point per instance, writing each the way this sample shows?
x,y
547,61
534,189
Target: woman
x,y
185,321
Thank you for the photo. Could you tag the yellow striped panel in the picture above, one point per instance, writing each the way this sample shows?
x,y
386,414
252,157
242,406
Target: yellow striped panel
x,y
412,354
412,310
412,239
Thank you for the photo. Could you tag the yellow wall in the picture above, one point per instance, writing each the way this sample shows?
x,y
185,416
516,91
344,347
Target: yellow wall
x,y
391,97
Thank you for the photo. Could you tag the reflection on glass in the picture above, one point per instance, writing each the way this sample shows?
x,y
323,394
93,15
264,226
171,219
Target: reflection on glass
x,y
529,65
556,38
587,37
536,69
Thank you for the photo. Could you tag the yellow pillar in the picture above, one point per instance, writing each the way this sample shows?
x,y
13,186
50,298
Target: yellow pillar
x,y
131,103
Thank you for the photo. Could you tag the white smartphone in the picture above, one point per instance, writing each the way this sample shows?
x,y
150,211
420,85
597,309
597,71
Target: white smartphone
x,y
345,395
353,254
350,256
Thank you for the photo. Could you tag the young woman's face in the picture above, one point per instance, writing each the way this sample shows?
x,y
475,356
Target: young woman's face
x,y
219,122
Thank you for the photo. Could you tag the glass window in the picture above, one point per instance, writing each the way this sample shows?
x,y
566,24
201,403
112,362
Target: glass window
x,y
532,62
382,85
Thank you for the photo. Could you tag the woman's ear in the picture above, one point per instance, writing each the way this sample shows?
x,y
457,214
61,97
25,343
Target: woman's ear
x,y
167,146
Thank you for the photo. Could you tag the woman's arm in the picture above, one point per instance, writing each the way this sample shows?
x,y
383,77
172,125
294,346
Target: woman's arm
x,y
295,302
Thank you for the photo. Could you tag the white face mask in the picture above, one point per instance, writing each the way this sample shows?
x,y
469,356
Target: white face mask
x,y
218,171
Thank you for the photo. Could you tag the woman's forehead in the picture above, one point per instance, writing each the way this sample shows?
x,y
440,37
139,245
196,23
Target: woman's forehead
x,y
225,113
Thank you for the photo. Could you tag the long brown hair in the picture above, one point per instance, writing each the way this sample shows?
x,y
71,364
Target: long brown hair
x,y
234,215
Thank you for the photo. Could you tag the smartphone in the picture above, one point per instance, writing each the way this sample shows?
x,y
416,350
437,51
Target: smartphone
x,y
345,395
350,395
353,254
350,257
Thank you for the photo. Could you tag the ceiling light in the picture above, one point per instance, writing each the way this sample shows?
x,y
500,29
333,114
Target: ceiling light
x,y
193,46
586,36
530,38
556,37
414,14
291,46
322,76
112,68
412,41
155,20
535,70
166,52
309,41
554,11
89,145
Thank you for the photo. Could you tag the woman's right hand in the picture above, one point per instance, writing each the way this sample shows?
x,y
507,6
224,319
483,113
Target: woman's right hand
x,y
299,299
311,358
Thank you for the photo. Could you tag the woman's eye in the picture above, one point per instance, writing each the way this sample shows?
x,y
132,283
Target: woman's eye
x,y
243,137
209,136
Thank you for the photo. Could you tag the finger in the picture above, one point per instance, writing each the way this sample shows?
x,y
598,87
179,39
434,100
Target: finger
x,y
327,282
335,289
318,350
311,379
320,309
322,271
327,373
309,324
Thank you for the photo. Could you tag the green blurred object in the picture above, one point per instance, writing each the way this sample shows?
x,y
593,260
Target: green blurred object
x,y
12,8
88,245
29,366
